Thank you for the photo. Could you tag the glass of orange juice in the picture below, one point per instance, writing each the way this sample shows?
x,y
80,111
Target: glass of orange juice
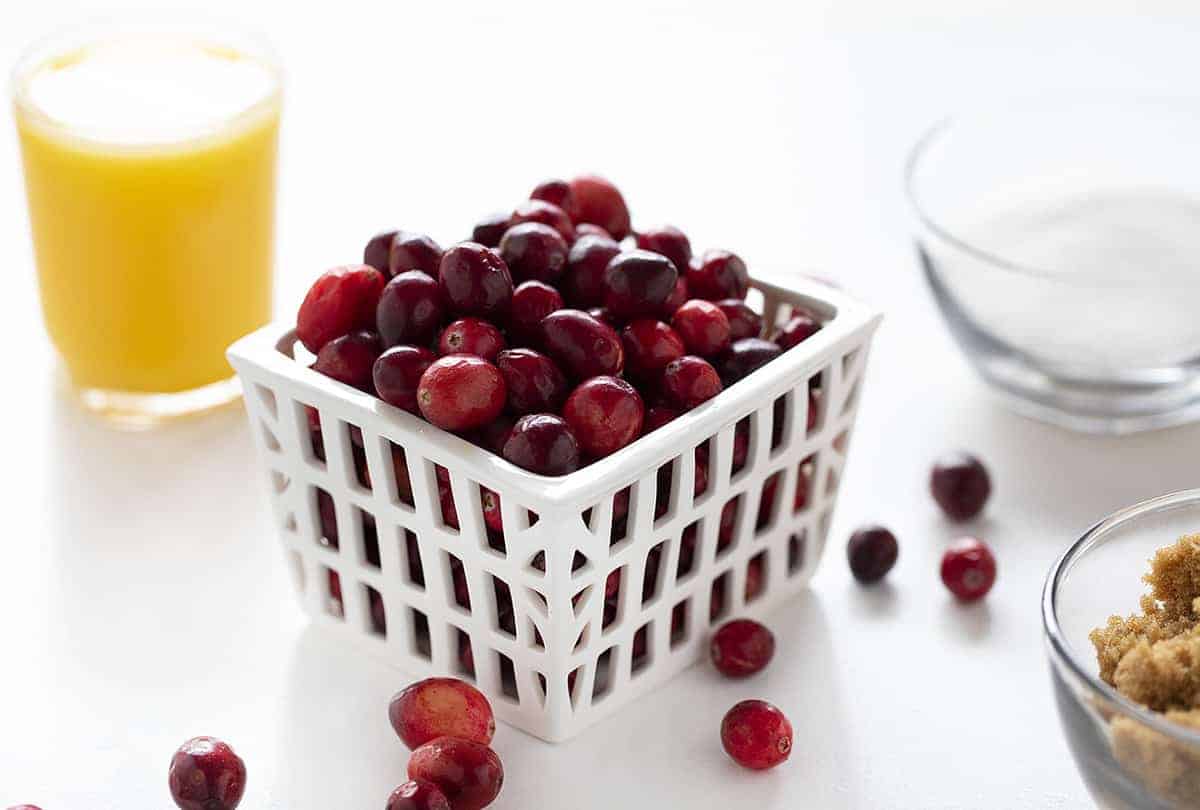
x,y
149,153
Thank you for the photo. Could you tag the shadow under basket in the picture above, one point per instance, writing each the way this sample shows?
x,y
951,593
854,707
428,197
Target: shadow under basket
x,y
599,585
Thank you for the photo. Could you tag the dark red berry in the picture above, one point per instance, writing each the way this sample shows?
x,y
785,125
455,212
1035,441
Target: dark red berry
x,y
604,316
535,384
547,214
718,274
489,230
341,301
493,514
637,284
556,192
968,569
441,707
349,359
414,251
798,329
588,229
397,373
871,551
471,336
668,241
542,443
961,485
534,251
582,346
409,309
744,322
469,773
745,356
756,735
657,416
378,249
532,301
583,283
475,281
206,774
676,299
461,392
418,794
649,346
605,414
599,202
741,647
703,326
690,381
492,435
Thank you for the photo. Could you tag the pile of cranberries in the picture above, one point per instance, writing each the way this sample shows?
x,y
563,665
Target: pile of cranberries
x,y
555,336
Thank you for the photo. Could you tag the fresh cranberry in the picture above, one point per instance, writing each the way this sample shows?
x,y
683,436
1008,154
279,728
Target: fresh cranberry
x,y
718,274
489,230
418,794
599,202
668,241
657,416
583,229
206,774
871,552
378,249
471,336
581,345
678,297
535,384
547,214
605,414
493,515
531,302
583,282
556,192
341,301
414,251
798,329
968,569
534,251
745,356
409,310
703,326
441,707
469,773
604,316
542,443
689,381
744,322
397,373
349,358
960,484
741,647
461,392
649,345
475,281
637,284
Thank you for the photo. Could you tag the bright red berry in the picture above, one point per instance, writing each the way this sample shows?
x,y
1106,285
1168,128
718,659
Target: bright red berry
x,y
744,322
717,275
756,735
968,569
461,392
556,192
547,214
532,301
468,773
605,414
471,336
689,381
600,202
341,301
441,707
798,329
418,794
703,326
741,647
668,241
649,346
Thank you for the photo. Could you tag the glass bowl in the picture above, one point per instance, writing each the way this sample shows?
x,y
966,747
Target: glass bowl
x,y
1129,756
1061,239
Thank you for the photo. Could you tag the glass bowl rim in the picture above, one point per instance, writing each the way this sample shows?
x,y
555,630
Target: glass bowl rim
x,y
1060,648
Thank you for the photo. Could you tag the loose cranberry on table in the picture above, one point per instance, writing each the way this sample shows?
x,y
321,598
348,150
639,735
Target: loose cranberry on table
x,y
350,358
535,384
668,241
471,336
756,735
690,381
745,356
341,301
741,647
968,569
468,773
441,707
418,794
600,202
605,414
582,346
649,345
531,302
797,329
871,551
461,392
542,443
534,251
547,214
583,282
378,249
414,251
717,275
397,373
556,192
744,322
474,280
961,485
489,230
206,774
703,326
409,309
637,284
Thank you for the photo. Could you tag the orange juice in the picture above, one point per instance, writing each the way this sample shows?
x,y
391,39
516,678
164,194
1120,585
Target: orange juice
x,y
149,163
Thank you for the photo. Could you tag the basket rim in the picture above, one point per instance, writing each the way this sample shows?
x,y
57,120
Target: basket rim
x,y
268,350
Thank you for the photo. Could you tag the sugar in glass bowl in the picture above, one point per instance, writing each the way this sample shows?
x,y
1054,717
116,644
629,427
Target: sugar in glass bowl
x,y
1129,756
1061,239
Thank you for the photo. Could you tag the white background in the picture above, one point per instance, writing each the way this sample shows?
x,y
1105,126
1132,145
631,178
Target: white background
x,y
142,596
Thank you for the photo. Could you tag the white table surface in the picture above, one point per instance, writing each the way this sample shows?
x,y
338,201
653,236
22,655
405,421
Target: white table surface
x,y
142,595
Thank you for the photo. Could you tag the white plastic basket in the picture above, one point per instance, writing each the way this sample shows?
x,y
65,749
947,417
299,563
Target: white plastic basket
x,y
541,644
